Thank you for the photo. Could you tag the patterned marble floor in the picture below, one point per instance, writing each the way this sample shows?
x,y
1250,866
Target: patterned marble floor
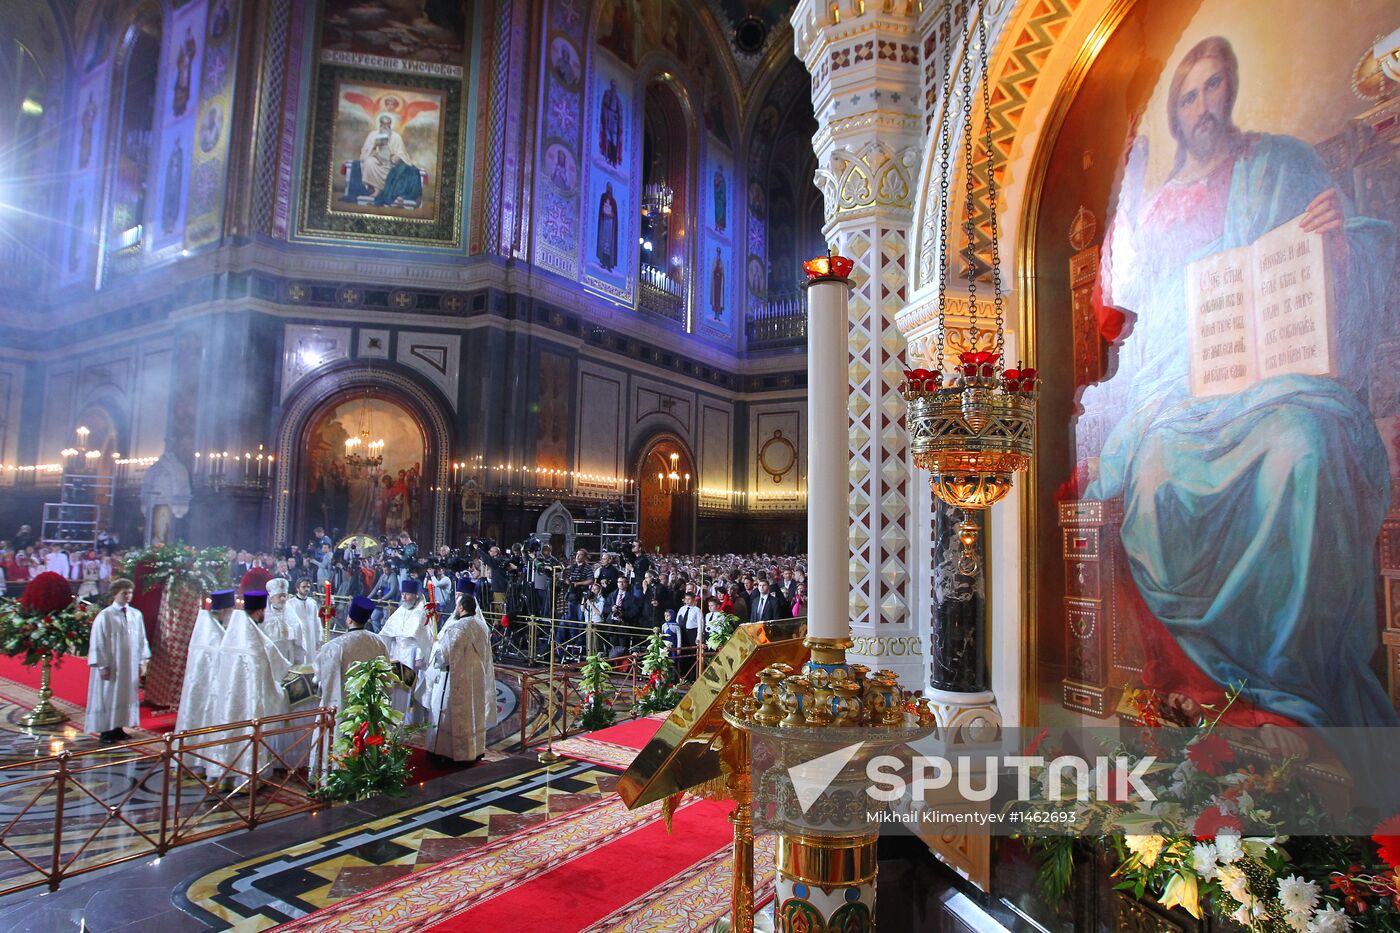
x,y
261,892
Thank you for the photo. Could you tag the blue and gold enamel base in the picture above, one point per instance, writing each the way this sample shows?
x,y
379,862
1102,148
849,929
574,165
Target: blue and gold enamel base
x,y
825,884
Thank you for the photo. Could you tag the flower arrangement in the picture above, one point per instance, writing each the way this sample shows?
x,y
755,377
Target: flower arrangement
x,y
1210,843
371,752
659,692
598,692
719,631
46,622
172,566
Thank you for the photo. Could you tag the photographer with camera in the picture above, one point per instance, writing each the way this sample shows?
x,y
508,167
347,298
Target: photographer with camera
x,y
542,569
499,567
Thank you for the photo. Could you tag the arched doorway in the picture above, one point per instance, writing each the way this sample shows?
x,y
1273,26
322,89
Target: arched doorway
x,y
391,406
666,518
363,498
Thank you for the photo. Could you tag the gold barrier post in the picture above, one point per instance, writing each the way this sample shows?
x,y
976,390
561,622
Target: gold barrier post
x,y
548,756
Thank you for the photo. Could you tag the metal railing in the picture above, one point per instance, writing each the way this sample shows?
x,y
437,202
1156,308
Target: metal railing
x,y
777,322
661,294
77,812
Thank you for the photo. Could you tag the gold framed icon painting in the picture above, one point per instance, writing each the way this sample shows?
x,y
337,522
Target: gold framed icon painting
x,y
384,158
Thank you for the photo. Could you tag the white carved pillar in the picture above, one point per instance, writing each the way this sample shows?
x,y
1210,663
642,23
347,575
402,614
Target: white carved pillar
x,y
864,62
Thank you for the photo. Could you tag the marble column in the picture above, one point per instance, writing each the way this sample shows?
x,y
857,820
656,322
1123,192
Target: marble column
x,y
864,62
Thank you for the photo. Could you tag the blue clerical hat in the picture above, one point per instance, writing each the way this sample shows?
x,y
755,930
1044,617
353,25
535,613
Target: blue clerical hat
x,y
253,600
464,584
220,599
361,608
409,586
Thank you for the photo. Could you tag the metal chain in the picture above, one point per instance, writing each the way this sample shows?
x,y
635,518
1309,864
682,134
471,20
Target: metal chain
x,y
970,212
997,299
945,158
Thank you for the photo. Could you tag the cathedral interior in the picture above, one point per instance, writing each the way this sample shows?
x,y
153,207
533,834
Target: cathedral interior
x,y
467,275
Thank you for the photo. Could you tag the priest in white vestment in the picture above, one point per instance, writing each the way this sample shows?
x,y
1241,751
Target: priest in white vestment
x,y
305,615
117,654
293,748
460,688
410,641
202,663
249,686
337,656
277,626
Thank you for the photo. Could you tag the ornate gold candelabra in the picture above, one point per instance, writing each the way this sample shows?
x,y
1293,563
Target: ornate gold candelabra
x,y
826,855
44,714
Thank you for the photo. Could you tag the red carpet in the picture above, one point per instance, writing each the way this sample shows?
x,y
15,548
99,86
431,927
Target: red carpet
x,y
599,868
69,681
613,747
576,894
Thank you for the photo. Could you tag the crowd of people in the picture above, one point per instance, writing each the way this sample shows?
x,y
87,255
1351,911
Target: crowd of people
x,y
425,611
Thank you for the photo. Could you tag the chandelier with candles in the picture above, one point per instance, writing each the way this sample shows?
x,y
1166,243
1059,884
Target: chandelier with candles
x,y
361,452
673,482
971,422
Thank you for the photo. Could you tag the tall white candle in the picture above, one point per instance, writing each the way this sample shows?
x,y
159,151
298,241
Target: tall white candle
x,y
827,524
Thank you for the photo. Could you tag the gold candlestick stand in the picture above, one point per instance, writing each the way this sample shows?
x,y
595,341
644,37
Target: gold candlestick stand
x,y
549,756
44,714
749,690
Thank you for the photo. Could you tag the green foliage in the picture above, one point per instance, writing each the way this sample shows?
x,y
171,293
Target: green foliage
x,y
370,755
659,692
717,633
171,566
53,635
598,691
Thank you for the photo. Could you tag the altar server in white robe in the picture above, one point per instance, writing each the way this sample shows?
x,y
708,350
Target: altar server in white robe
x,y
337,656
117,655
198,692
410,641
249,683
305,615
294,747
461,686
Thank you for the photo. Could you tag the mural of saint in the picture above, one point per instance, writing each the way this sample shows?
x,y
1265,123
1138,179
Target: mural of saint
x,y
75,233
1250,518
721,201
564,60
610,126
210,128
85,141
717,287
606,249
219,22
616,29
184,62
386,167
755,274
561,167
174,181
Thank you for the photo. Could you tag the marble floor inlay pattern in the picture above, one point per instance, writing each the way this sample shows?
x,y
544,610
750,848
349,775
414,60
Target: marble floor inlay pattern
x,y
264,891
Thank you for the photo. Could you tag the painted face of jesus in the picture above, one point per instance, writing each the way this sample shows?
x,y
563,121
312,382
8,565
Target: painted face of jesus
x,y
1203,107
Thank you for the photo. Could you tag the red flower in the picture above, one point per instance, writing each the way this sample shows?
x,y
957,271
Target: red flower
x,y
46,593
1210,754
1036,742
1213,821
374,740
1387,840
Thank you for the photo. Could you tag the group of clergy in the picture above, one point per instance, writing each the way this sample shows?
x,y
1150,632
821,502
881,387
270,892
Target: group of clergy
x,y
239,660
